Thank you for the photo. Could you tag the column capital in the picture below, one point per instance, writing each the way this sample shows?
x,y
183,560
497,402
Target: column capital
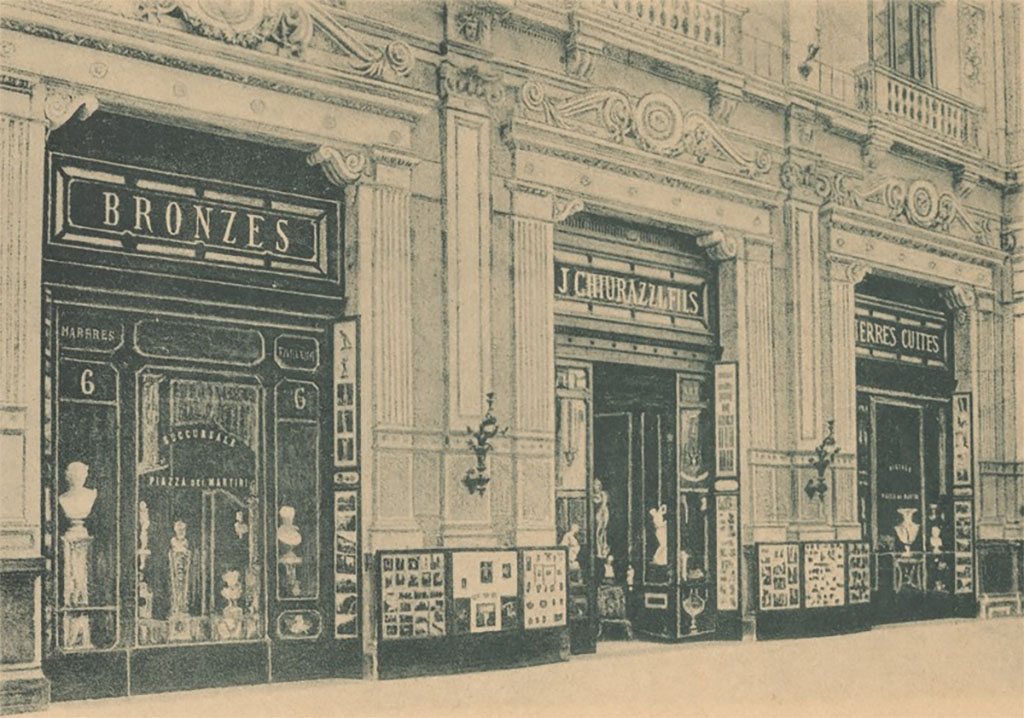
x,y
63,103
846,270
719,245
342,166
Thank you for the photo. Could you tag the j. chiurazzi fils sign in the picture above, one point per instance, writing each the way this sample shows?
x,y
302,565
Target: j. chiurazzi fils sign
x,y
613,288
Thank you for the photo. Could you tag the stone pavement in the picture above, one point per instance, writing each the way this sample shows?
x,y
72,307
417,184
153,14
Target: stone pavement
x,y
967,668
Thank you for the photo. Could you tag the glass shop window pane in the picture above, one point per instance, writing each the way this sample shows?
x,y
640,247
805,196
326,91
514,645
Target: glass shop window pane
x,y
199,548
88,491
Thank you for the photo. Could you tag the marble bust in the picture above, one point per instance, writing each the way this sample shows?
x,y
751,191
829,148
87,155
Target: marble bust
x,y
78,500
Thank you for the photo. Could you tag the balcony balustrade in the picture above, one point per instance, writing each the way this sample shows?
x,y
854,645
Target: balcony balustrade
x,y
937,114
700,24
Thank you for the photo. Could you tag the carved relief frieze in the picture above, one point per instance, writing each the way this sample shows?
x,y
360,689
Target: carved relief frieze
x,y
812,182
921,204
972,44
469,22
654,123
284,27
471,82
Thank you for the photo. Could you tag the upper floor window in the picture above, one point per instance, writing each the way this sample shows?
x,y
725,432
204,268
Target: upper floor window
x,y
911,27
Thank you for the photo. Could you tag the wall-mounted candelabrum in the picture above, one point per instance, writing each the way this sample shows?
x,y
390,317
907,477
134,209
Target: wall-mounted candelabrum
x,y
825,455
477,478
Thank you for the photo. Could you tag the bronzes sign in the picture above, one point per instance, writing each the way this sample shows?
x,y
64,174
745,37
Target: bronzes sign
x,y
176,216
888,333
640,293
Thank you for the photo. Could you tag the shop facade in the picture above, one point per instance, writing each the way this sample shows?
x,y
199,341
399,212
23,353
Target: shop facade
x,y
346,339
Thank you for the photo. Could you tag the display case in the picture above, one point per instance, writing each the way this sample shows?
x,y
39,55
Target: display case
x,y
812,588
451,610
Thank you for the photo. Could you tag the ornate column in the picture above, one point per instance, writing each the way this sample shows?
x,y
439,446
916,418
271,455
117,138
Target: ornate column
x,y
534,364
377,187
29,111
839,330
746,328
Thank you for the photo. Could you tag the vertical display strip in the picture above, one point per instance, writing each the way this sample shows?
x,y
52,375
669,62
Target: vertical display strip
x,y
963,483
858,572
726,433
963,543
346,480
963,440
727,552
346,410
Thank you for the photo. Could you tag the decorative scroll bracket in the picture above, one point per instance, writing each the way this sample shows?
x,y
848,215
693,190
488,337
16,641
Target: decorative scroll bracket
x,y
62,104
341,168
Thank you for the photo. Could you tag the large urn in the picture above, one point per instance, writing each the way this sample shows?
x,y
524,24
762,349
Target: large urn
x,y
907,530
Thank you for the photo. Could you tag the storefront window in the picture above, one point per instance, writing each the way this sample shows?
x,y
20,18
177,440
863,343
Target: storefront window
x,y
88,496
198,546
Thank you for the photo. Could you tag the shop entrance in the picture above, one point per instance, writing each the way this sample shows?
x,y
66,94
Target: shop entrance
x,y
909,508
645,518
201,493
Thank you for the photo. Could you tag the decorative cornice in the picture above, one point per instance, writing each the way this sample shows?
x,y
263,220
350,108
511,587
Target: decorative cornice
x,y
62,104
654,122
341,168
471,82
719,245
526,136
920,203
282,27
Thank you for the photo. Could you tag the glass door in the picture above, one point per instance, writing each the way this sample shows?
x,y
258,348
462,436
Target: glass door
x,y
197,482
574,508
908,506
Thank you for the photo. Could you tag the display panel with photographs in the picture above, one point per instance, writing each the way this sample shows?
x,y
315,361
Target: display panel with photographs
x,y
346,563
544,588
858,572
485,591
824,574
963,440
778,572
727,536
412,594
963,546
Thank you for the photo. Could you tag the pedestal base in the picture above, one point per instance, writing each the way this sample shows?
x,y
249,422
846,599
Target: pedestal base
x,y
23,693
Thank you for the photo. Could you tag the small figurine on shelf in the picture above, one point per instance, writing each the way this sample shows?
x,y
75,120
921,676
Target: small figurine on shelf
x,y
180,559
288,535
230,623
935,539
609,569
601,516
569,539
658,520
